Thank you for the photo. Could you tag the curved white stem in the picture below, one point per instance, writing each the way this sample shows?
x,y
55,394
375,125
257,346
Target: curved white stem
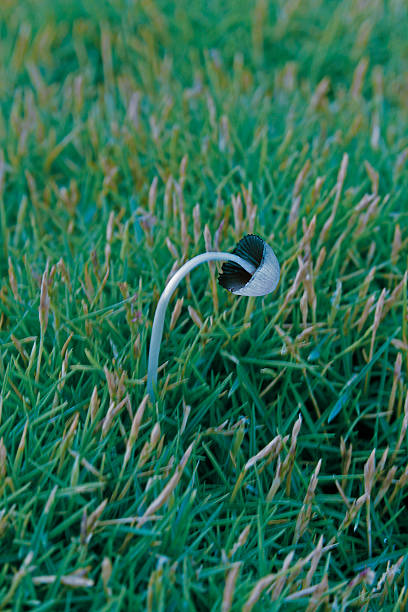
x,y
158,321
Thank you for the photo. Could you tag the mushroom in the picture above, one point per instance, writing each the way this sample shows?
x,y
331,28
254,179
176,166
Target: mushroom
x,y
251,269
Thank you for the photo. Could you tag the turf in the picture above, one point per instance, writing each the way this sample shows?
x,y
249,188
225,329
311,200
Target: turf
x,y
271,473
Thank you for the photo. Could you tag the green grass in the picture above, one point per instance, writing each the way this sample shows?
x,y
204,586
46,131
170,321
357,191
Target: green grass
x,y
271,473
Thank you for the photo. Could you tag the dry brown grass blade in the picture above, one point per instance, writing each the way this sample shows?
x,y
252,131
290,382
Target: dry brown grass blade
x,y
229,587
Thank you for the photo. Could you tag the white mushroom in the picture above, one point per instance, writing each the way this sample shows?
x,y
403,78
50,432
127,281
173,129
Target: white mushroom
x,y
252,269
264,280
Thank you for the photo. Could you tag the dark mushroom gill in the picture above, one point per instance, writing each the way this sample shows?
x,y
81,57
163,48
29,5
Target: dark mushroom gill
x,y
233,277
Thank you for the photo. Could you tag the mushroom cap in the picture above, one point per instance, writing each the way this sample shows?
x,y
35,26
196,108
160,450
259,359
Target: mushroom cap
x,y
264,280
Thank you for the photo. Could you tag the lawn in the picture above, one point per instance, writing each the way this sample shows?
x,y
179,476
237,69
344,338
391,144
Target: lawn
x,y
271,471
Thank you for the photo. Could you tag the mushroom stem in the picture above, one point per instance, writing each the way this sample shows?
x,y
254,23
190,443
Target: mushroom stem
x,y
158,321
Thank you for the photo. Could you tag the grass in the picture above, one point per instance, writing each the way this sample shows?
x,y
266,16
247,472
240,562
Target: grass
x,y
272,471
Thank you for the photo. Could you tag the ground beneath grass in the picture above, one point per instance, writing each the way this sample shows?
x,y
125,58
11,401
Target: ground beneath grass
x,y
272,471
